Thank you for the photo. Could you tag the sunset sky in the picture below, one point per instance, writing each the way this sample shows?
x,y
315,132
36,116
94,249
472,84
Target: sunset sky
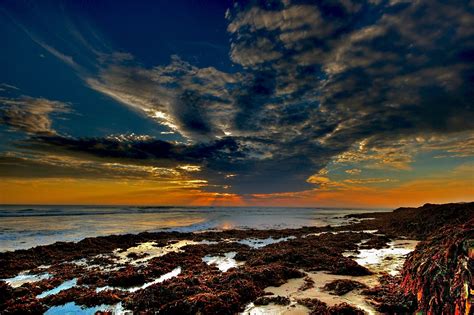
x,y
232,103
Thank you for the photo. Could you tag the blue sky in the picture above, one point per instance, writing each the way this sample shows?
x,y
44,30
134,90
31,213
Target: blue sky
x,y
238,98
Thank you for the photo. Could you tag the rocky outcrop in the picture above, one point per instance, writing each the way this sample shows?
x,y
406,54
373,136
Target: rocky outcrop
x,y
440,271
318,307
417,223
343,286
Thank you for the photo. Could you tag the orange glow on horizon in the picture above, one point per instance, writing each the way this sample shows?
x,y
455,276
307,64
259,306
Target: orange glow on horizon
x,y
91,192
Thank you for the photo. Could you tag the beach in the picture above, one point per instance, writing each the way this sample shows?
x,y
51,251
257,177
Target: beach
x,y
345,262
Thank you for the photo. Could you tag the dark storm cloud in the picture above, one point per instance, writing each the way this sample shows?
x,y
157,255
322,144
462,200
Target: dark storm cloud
x,y
314,80
385,70
157,151
251,99
244,159
382,68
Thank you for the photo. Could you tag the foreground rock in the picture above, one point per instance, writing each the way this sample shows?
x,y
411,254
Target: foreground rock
x,y
440,271
343,286
320,308
437,277
279,300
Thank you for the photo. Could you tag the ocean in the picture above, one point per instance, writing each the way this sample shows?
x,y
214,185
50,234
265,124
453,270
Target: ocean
x,y
23,227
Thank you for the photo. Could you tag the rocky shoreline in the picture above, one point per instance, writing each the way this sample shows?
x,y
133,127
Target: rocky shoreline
x,y
229,272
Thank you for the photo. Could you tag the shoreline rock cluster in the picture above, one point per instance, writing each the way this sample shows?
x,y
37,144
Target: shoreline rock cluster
x,y
433,279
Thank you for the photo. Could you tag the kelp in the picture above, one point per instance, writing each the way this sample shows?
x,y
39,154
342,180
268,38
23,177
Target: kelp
x,y
439,271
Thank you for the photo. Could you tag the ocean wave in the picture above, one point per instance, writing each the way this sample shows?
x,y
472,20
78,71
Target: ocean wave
x,y
15,211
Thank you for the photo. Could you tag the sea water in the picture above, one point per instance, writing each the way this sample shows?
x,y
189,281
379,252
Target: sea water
x,y
23,227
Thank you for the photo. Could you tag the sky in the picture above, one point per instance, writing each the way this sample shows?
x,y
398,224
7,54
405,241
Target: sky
x,y
237,103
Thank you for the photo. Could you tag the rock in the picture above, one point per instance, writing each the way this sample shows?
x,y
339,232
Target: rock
x,y
345,309
136,255
308,284
20,291
127,277
376,241
316,306
265,300
343,286
85,296
388,298
5,293
440,269
416,223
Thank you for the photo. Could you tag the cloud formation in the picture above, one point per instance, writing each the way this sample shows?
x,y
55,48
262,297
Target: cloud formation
x,y
192,101
333,81
30,115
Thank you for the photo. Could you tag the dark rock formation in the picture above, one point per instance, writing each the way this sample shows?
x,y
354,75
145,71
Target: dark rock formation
x,y
279,300
343,286
308,284
389,299
318,307
439,271
417,223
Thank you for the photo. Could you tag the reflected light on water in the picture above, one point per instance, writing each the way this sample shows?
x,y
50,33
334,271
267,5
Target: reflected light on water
x,y
226,225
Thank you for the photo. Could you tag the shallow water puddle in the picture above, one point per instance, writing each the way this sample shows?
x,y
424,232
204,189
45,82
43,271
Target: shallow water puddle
x,y
23,278
73,308
88,263
63,286
262,242
327,232
339,232
389,259
174,273
224,263
274,309
151,251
